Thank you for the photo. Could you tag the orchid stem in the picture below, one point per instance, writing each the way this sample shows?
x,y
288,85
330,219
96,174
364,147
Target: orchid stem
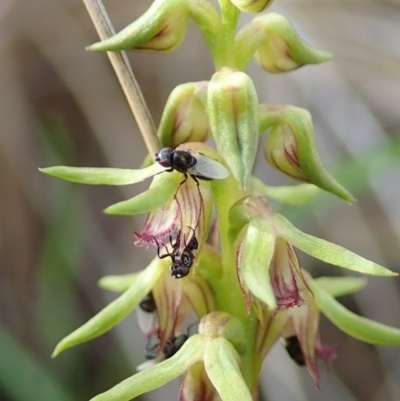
x,y
126,78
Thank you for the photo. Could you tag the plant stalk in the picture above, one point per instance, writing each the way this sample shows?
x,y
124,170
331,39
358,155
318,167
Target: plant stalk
x,y
126,78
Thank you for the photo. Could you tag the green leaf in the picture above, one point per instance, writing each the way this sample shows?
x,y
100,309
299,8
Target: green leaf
x,y
223,371
339,286
103,175
157,375
22,377
326,251
117,310
289,195
354,325
118,283
161,191
255,255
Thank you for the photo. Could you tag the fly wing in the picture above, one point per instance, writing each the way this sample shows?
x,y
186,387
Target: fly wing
x,y
208,168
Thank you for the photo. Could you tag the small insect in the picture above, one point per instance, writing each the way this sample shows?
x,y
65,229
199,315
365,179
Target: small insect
x,y
194,164
171,347
147,316
147,304
294,350
182,261
174,345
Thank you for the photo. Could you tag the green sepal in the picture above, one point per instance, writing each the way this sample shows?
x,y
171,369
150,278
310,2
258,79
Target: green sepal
x,y
354,325
233,112
185,117
247,41
254,258
244,210
161,29
117,310
282,49
289,195
221,324
221,364
161,191
103,176
157,375
252,6
208,20
326,251
199,295
339,286
290,148
118,283
270,114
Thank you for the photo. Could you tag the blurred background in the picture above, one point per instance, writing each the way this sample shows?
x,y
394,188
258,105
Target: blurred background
x,y
62,105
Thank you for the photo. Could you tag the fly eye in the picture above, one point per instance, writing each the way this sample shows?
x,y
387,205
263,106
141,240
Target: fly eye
x,y
164,162
164,157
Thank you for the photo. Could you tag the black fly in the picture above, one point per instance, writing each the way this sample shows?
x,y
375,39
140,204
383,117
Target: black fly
x,y
294,350
147,316
147,304
171,347
194,164
182,261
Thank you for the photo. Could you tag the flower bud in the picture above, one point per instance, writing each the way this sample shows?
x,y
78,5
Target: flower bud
x,y
252,6
282,50
233,113
161,29
290,148
185,117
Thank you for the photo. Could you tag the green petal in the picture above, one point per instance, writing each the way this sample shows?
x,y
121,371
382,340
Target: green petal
x,y
289,195
117,310
157,375
339,286
103,176
255,255
161,191
354,325
223,371
326,251
118,283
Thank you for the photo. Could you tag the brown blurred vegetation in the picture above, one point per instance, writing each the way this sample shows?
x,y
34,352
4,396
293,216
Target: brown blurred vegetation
x,y
62,105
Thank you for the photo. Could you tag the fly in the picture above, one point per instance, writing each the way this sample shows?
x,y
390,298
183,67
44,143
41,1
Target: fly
x,y
294,350
147,316
183,260
171,347
197,165
147,304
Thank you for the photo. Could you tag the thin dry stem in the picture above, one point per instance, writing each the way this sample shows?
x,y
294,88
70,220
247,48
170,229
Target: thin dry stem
x,y
125,75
